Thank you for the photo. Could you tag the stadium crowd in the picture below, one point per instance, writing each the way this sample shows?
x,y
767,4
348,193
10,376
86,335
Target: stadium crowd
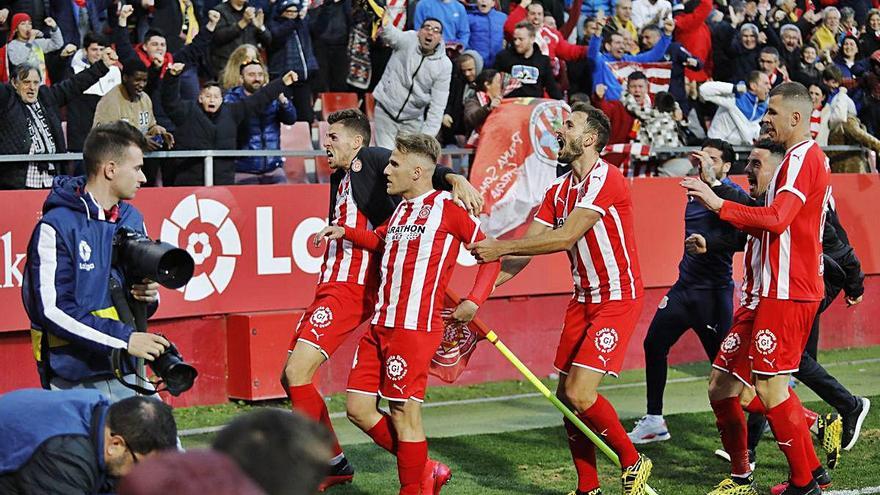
x,y
433,66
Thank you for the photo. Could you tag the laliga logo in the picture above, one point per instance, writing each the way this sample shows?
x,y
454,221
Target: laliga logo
x,y
546,118
213,216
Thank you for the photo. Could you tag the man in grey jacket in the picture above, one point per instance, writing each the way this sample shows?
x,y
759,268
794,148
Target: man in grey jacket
x,y
417,76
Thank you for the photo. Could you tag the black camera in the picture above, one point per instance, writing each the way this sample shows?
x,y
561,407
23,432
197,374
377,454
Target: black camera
x,y
141,257
177,375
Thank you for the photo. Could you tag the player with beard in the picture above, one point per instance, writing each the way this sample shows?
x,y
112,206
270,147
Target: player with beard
x,y
790,228
587,212
348,280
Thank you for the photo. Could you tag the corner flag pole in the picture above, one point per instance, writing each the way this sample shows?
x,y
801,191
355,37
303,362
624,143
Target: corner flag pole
x,y
526,372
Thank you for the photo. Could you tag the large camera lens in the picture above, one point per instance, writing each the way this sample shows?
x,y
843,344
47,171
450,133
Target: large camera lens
x,y
141,257
177,375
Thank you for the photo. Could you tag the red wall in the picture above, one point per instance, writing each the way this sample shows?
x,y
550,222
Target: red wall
x,y
527,312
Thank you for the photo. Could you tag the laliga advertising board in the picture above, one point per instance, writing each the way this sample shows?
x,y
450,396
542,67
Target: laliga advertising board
x,y
251,247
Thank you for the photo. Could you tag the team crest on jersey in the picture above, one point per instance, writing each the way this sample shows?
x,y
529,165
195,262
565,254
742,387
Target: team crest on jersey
x,y
425,211
606,339
321,317
765,341
395,367
356,165
663,302
731,343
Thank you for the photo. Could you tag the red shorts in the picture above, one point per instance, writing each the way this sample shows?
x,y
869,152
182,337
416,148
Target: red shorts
x,y
338,309
780,335
733,356
393,362
595,336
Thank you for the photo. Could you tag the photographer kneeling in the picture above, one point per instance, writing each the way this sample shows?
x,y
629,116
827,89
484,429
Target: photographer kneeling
x,y
70,273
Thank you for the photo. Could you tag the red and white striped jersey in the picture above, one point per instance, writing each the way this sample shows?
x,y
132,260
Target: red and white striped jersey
x,y
342,261
604,263
792,264
750,290
422,241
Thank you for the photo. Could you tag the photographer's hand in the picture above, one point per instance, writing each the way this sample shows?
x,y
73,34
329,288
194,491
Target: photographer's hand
x,y
147,345
147,292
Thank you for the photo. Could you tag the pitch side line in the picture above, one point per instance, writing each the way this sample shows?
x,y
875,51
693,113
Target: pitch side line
x,y
502,398
857,491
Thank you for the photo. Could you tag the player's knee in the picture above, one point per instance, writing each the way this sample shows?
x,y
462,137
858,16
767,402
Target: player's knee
x,y
579,398
721,386
361,413
406,420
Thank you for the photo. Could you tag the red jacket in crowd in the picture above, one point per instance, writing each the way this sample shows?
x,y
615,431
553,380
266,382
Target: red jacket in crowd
x,y
694,35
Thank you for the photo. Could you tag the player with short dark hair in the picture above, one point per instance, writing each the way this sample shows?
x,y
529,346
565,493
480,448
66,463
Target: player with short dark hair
x,y
346,293
419,245
588,213
701,298
790,227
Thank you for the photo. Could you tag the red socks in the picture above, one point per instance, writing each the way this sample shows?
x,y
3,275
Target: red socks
x,y
602,418
307,400
756,406
793,438
583,452
411,459
383,435
731,423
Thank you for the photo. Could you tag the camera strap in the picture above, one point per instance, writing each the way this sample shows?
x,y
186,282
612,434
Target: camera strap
x,y
117,357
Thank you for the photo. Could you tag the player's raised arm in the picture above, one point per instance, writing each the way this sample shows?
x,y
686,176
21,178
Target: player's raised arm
x,y
562,239
512,265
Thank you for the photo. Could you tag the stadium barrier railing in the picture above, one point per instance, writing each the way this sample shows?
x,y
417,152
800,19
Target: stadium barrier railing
x,y
450,153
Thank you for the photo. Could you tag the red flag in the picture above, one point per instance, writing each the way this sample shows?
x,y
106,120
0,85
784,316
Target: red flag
x,y
458,344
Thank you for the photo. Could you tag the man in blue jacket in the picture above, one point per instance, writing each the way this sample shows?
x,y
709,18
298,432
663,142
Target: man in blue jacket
x,y
75,441
487,30
262,131
702,297
615,51
69,274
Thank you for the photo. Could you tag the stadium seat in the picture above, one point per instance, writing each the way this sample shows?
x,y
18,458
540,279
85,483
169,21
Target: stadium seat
x,y
332,102
297,137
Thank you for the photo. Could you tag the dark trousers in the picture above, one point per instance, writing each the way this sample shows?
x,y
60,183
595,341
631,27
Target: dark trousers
x,y
815,377
333,60
709,312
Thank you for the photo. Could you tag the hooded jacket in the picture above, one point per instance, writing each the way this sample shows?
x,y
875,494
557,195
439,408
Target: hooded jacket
x,y
602,73
413,81
262,131
66,293
53,441
487,33
14,135
534,72
291,47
